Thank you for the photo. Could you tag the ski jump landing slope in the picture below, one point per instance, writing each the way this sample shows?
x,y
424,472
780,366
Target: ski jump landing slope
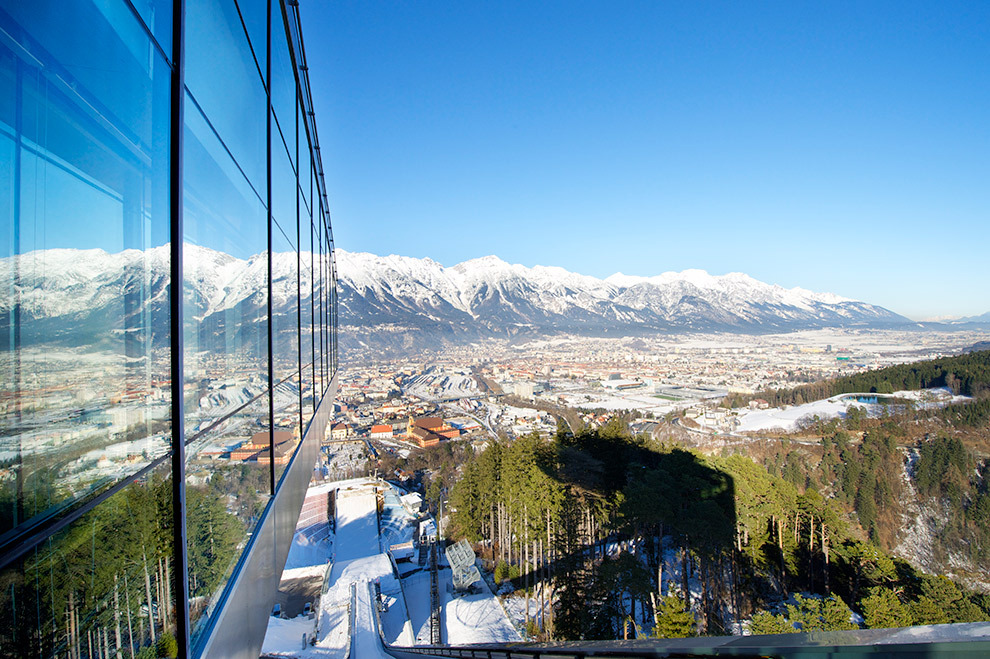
x,y
358,561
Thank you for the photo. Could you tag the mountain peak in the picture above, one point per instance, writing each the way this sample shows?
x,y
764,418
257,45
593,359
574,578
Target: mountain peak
x,y
487,294
487,262
428,304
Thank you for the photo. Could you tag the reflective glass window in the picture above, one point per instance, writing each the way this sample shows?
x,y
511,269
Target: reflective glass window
x,y
254,14
305,160
283,83
306,314
223,79
225,299
285,358
318,304
102,587
84,259
157,15
284,189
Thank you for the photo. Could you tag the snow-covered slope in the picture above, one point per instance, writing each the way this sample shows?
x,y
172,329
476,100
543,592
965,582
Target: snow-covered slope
x,y
493,294
87,296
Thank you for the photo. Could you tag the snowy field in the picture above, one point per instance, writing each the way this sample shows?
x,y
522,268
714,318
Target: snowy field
x,y
641,399
619,402
348,458
788,419
439,384
475,618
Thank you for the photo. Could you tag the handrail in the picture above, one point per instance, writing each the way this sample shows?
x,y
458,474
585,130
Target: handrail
x,y
967,640
351,609
375,602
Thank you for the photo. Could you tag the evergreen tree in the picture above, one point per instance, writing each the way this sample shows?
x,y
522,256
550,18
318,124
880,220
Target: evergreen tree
x,y
820,614
882,608
765,622
672,619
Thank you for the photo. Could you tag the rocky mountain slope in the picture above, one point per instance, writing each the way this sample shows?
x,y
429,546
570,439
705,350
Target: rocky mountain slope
x,y
90,296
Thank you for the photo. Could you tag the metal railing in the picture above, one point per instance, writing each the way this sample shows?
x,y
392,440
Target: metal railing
x,y
965,640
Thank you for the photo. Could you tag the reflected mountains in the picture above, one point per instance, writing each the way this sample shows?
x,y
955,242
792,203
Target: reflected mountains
x,y
94,299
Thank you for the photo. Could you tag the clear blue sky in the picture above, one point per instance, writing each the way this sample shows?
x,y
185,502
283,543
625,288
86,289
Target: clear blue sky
x,y
837,146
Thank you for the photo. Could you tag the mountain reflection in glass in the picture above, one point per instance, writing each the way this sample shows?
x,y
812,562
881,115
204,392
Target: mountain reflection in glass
x,y
84,391
89,557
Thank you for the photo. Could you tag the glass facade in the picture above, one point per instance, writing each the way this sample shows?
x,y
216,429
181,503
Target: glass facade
x,y
100,251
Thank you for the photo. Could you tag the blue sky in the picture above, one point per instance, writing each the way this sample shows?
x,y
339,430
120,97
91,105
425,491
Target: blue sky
x,y
840,146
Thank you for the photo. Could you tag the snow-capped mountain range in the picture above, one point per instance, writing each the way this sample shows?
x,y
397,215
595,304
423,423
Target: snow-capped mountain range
x,y
490,294
72,295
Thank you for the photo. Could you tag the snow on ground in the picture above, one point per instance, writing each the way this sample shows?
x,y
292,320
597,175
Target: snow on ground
x,y
642,402
357,524
937,396
307,550
365,641
787,418
360,563
285,637
417,589
305,571
477,619
438,384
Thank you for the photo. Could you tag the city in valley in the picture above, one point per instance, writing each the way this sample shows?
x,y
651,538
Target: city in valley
x,y
390,414
495,388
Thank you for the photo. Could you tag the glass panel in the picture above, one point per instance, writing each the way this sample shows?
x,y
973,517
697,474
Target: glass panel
x,y
99,56
157,15
84,260
284,189
283,82
285,329
330,345
306,315
305,161
319,309
325,302
225,300
100,587
255,16
219,70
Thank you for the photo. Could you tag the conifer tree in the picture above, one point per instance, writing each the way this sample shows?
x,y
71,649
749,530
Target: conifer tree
x,y
882,608
671,618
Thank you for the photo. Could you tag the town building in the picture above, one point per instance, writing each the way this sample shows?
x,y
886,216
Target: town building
x,y
380,431
339,431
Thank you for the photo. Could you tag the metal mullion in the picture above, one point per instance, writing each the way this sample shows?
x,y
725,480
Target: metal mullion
x,y
271,336
254,56
318,308
323,352
333,302
299,352
312,313
326,309
180,560
312,272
